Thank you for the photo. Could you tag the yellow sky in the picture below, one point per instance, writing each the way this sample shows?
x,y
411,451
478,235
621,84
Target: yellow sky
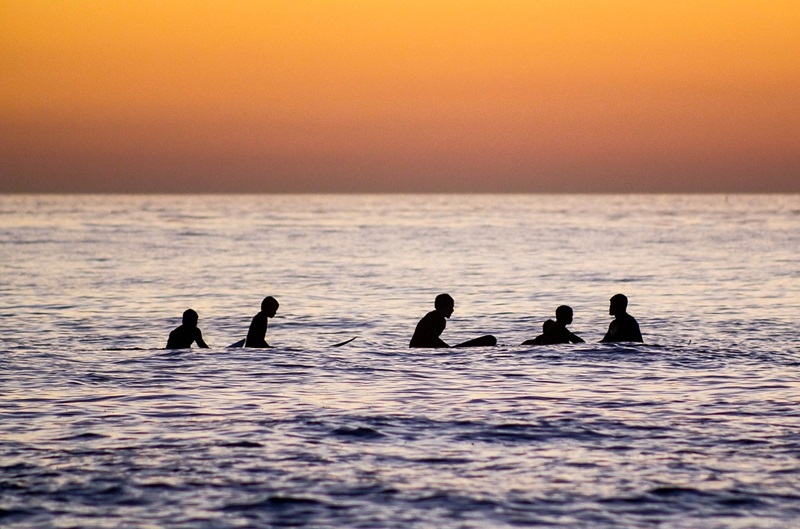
x,y
402,95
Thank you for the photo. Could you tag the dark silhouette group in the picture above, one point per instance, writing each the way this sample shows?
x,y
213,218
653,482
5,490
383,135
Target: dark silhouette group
x,y
188,333
624,328
428,331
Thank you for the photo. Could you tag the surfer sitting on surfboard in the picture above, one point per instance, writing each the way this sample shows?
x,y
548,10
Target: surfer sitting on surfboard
x,y
257,334
624,328
187,333
431,326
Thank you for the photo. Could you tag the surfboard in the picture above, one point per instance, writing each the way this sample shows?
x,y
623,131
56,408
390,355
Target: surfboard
x,y
483,341
240,343
344,342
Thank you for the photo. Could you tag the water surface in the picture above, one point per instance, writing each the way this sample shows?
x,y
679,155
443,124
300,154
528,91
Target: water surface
x,y
101,427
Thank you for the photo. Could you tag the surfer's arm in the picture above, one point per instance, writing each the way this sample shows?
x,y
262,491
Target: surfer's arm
x,y
199,339
612,331
574,338
636,333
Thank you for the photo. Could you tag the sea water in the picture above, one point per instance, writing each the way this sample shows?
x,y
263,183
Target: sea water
x,y
102,427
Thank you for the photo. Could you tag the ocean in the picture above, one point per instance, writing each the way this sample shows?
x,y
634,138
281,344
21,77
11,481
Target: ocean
x,y
100,426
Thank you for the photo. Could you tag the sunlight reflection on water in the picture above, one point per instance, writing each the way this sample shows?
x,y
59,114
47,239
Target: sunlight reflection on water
x,y
695,428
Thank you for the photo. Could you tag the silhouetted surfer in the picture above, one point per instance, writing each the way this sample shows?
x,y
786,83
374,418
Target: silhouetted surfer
x,y
257,334
187,333
624,328
431,326
556,332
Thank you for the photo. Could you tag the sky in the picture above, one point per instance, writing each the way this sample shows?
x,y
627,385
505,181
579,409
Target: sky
x,y
190,96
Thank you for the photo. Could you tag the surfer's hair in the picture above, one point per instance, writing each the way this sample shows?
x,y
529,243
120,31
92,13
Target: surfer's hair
x,y
190,317
443,300
269,303
621,300
563,312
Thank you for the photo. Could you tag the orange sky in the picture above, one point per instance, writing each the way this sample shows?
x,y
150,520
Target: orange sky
x,y
399,95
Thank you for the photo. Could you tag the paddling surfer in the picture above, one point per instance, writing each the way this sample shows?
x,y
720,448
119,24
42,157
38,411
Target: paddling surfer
x,y
430,327
187,333
257,334
624,328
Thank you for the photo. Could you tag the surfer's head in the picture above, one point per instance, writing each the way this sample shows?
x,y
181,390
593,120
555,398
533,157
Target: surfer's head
x,y
619,304
444,304
564,314
270,306
190,318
